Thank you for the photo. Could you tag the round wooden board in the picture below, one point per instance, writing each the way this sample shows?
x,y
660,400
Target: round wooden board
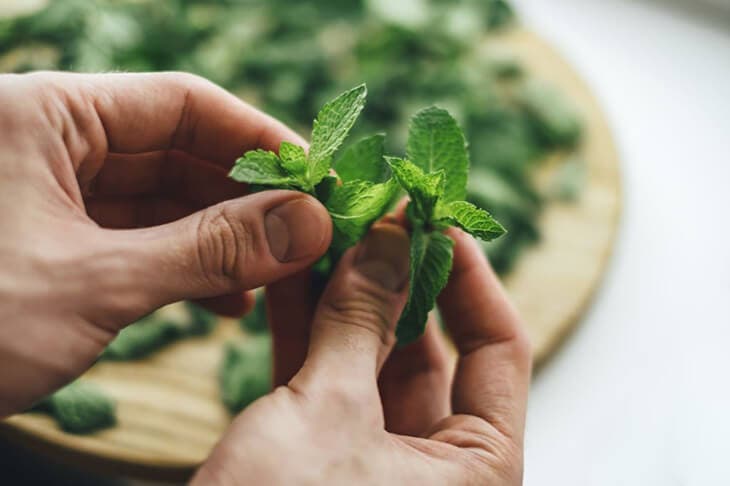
x,y
169,410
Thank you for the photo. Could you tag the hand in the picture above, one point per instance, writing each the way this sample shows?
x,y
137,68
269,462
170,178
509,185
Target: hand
x,y
357,412
116,202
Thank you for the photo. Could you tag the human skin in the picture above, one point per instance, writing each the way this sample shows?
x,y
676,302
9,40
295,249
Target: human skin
x,y
117,202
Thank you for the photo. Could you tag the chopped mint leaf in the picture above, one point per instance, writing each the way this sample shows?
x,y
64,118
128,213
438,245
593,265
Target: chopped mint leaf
x,y
471,219
364,160
82,407
245,373
255,322
555,119
431,258
354,206
435,142
261,167
201,322
333,123
142,339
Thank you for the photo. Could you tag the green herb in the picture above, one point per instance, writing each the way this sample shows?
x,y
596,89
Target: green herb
x,y
255,322
80,408
354,204
435,179
434,175
141,339
155,331
245,372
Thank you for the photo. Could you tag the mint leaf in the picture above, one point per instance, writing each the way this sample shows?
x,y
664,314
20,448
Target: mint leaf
x,y
435,142
245,372
317,172
354,206
424,189
261,167
363,160
255,322
471,219
82,407
293,160
142,339
332,125
289,152
431,258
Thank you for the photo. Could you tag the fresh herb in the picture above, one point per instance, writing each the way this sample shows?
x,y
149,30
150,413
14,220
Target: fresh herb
x,y
157,330
434,175
245,372
353,204
80,408
255,322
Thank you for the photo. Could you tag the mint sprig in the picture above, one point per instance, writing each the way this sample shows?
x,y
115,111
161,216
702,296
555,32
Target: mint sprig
x,y
435,180
434,174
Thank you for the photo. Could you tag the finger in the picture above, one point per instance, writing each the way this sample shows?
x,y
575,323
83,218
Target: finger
x,y
231,305
233,246
172,174
290,309
415,382
143,112
493,371
353,328
138,212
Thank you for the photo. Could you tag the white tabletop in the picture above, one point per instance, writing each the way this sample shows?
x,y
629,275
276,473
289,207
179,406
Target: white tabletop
x,y
640,394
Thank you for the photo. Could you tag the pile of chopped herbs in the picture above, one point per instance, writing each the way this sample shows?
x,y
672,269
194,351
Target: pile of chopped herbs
x,y
289,57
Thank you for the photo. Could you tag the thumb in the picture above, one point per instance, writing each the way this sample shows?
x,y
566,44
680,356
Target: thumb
x,y
235,245
353,327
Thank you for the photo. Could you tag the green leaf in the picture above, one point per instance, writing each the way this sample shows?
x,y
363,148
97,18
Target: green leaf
x,y
142,339
318,171
333,123
556,120
431,258
261,167
255,322
293,159
82,408
363,160
201,320
424,189
471,219
245,372
354,206
435,142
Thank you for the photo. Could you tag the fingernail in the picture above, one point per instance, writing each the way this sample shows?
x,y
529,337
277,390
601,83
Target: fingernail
x,y
294,230
383,256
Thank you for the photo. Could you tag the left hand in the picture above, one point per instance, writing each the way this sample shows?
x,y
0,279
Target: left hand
x,y
116,201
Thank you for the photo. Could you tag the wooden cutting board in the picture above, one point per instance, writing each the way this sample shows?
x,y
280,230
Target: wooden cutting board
x,y
169,410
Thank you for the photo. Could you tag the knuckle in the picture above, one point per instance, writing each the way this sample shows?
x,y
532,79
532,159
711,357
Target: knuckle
x,y
224,245
365,306
522,347
185,80
492,456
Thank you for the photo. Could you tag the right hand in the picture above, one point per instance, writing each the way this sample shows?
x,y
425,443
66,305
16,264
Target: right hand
x,y
351,410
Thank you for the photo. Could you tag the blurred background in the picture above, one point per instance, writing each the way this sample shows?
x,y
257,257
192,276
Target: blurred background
x,y
638,394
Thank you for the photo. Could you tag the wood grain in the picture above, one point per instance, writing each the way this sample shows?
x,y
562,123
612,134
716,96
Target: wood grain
x,y
169,409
